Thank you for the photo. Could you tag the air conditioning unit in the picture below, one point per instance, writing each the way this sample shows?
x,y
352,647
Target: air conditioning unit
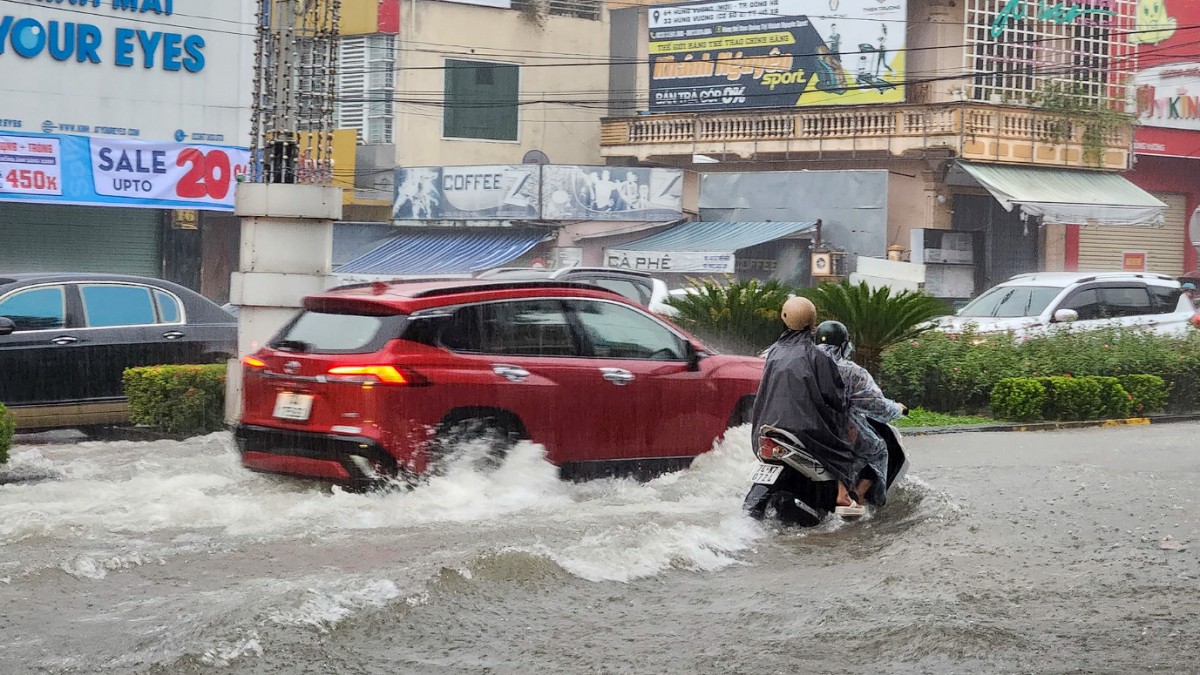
x,y
828,265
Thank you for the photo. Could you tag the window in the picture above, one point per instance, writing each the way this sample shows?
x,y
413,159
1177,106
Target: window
x,y
168,308
1086,304
617,332
1130,301
366,86
36,309
112,305
1166,299
481,100
323,333
628,289
527,328
1011,301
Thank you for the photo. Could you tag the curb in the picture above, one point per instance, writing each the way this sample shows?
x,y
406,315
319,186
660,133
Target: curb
x,y
1051,426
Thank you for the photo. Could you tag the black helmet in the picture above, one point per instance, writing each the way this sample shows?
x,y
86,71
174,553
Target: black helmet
x,y
835,333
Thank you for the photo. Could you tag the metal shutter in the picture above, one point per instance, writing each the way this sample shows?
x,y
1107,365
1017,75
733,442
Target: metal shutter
x,y
1101,247
50,238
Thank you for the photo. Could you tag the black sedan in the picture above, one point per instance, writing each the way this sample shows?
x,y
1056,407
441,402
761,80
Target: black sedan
x,y
66,339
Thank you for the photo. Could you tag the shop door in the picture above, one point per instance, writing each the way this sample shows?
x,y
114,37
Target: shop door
x,y
1102,248
51,238
1010,245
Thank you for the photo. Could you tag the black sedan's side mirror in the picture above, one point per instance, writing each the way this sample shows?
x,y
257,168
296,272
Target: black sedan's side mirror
x,y
7,326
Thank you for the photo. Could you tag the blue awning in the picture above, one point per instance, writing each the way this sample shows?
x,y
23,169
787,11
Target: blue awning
x,y
431,251
723,236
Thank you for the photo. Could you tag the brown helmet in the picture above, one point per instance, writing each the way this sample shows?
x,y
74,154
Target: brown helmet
x,y
799,314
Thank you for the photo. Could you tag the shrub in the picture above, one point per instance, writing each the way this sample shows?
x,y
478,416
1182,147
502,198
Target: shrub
x,y
877,319
8,427
739,316
1149,393
177,399
956,372
1019,398
1113,401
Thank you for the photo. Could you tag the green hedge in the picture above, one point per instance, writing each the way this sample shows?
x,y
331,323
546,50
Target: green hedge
x,y
1076,398
952,373
177,399
8,427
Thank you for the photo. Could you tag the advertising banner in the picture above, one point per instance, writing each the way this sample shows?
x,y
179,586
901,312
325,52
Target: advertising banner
x,y
1167,84
164,70
717,262
739,54
611,193
467,192
84,171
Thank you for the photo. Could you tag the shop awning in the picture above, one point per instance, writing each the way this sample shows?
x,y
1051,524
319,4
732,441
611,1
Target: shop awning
x,y
700,246
1069,197
434,252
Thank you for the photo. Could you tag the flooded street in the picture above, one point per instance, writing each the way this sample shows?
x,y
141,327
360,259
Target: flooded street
x,y
1064,552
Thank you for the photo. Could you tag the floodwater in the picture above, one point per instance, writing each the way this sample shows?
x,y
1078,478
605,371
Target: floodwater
x,y
1059,552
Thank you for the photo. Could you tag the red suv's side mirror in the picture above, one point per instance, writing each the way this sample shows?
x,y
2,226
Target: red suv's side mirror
x,y
693,356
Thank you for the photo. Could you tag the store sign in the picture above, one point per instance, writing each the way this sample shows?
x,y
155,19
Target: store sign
x,y
1167,84
611,193
1133,261
536,191
87,171
158,69
467,192
1068,12
716,262
776,54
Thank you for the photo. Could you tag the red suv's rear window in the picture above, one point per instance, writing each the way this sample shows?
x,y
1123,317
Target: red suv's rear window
x,y
337,333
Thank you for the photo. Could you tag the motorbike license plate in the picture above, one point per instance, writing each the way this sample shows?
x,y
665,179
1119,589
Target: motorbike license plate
x,y
766,474
290,406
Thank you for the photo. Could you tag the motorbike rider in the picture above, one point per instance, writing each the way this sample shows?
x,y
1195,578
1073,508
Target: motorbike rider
x,y
866,401
802,392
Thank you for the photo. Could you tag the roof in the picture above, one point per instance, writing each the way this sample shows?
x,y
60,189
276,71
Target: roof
x,y
1067,278
717,236
432,251
420,294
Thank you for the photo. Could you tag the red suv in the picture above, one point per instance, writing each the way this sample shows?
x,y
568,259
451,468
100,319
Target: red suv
x,y
376,379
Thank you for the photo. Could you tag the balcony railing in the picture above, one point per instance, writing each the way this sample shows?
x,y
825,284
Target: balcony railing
x,y
970,130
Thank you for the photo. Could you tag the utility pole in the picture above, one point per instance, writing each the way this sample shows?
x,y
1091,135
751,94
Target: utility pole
x,y
287,205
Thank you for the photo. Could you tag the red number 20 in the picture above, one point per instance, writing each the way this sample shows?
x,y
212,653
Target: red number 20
x,y
208,176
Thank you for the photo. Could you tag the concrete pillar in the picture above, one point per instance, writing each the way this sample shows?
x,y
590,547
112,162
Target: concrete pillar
x,y
286,254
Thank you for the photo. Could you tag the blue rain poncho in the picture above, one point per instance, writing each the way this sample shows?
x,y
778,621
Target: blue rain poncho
x,y
866,401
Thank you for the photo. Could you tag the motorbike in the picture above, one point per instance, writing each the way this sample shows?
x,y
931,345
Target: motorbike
x,y
790,484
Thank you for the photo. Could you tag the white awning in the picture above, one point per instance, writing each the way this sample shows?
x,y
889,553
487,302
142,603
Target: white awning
x,y
1067,196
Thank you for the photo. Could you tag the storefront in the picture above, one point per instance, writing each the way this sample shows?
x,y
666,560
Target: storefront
x,y
115,159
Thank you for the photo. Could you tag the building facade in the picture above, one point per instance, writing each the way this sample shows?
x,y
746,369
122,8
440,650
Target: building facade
x,y
123,127
999,122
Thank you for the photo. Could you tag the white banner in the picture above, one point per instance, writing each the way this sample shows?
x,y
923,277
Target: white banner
x,y
30,166
200,174
718,262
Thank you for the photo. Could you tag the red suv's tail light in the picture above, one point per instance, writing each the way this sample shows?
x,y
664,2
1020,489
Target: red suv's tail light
x,y
769,449
253,362
375,374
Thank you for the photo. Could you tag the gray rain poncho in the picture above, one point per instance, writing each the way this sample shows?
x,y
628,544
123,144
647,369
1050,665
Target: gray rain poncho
x,y
866,401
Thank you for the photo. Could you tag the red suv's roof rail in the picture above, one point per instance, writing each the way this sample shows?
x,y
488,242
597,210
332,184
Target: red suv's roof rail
x,y
484,285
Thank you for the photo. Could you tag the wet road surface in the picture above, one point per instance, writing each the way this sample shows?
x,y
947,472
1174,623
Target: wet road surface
x,y
1062,552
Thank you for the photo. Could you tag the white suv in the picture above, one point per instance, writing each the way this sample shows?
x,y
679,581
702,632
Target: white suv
x,y
1045,302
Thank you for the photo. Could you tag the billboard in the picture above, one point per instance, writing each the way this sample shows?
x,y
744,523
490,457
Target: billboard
x,y
1167,84
92,171
611,193
739,54
538,192
467,192
163,70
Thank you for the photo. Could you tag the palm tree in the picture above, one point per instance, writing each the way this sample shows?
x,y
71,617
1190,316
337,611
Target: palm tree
x,y
737,316
876,319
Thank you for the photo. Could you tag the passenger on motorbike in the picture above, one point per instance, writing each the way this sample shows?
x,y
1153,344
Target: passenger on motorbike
x,y
866,401
802,392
